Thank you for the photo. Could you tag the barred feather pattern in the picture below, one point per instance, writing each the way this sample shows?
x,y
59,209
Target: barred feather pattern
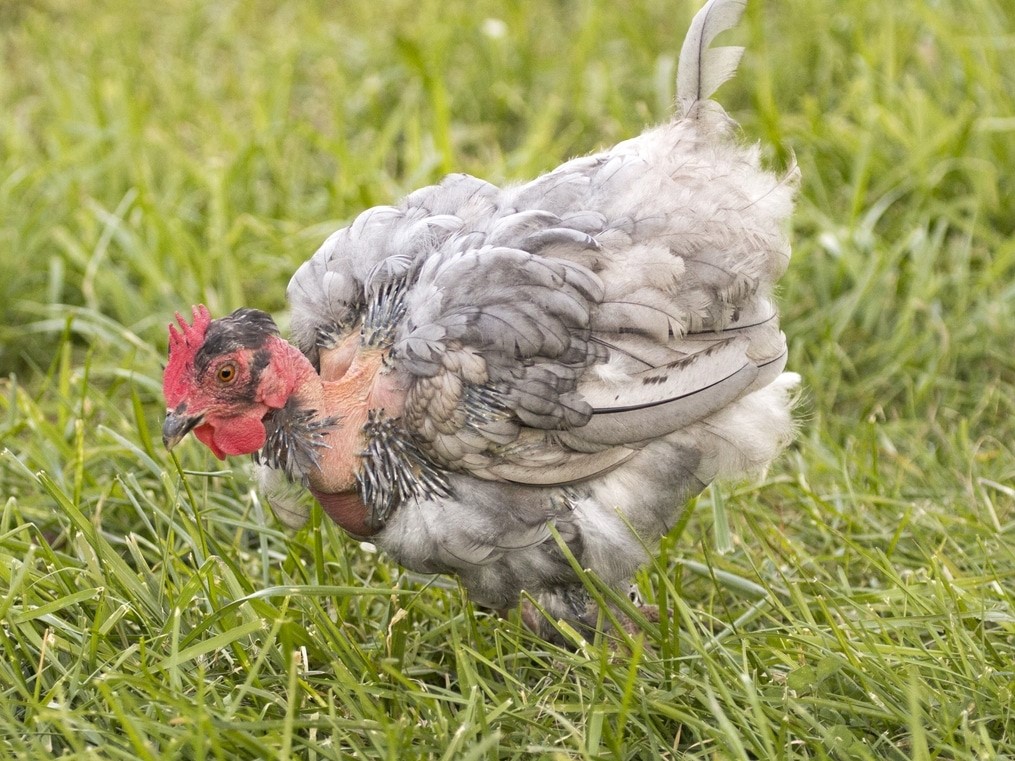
x,y
395,471
294,437
385,309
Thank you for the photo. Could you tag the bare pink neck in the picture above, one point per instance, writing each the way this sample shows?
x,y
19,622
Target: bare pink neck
x,y
353,384
291,374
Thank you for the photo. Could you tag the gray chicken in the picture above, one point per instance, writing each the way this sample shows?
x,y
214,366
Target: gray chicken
x,y
587,351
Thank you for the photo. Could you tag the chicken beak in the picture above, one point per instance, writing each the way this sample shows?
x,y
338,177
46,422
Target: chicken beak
x,y
177,426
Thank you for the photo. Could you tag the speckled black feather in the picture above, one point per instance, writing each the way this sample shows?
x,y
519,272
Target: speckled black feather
x,y
243,329
395,470
294,436
385,310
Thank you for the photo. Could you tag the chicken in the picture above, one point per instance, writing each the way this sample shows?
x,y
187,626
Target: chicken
x,y
585,351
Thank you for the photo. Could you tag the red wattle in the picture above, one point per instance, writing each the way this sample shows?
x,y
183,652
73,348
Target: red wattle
x,y
232,436
206,435
240,435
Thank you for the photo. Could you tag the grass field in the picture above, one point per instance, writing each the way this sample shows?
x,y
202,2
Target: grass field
x,y
153,155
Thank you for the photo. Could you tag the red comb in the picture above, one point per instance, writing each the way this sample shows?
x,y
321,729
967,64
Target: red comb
x,y
189,336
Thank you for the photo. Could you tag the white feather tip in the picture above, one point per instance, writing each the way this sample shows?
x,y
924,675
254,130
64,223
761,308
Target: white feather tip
x,y
702,69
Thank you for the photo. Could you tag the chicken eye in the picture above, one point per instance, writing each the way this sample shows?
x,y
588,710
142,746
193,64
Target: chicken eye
x,y
227,374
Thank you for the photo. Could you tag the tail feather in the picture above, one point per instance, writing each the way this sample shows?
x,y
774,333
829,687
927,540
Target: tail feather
x,y
703,69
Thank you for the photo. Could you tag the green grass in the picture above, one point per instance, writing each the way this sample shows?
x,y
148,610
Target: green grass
x,y
153,155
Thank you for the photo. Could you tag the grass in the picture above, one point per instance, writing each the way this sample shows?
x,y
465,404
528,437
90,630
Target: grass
x,y
156,155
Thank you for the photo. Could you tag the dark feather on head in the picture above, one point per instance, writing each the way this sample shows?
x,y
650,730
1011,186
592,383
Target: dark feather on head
x,y
243,329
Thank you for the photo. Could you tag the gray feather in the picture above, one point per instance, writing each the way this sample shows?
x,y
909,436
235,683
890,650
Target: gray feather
x,y
627,425
702,69
591,347
678,380
287,499
577,467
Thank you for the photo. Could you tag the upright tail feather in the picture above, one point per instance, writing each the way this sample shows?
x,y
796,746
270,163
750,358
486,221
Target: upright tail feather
x,y
703,69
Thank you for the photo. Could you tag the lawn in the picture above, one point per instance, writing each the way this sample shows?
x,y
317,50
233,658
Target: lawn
x,y
154,155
